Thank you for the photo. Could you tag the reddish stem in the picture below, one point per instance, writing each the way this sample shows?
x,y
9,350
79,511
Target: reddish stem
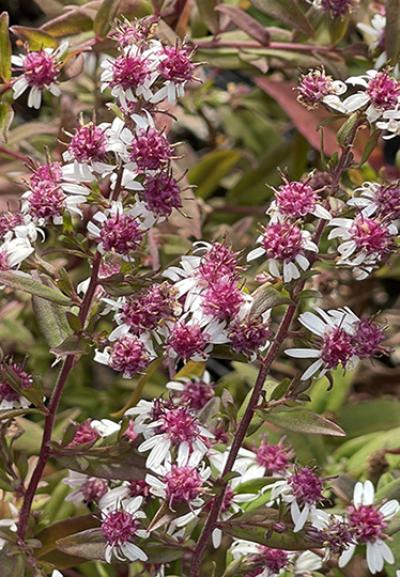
x,y
283,330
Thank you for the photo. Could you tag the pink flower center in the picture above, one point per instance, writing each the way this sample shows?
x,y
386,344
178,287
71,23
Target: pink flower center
x,y
296,199
274,559
366,522
177,66
4,261
179,425
129,355
161,194
88,143
121,233
8,221
150,150
274,458
219,261
371,236
282,241
384,91
222,299
313,87
306,486
40,69
388,200
46,175
84,434
196,394
94,489
119,527
249,335
139,488
337,348
7,393
187,340
368,338
147,309
129,72
183,484
46,201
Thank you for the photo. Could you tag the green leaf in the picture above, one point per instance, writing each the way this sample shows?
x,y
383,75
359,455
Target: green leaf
x,y
49,536
12,565
266,297
369,416
89,544
208,173
36,38
25,283
105,16
345,132
124,465
52,322
75,21
303,421
5,48
208,13
50,7
389,491
286,11
158,553
12,413
6,118
392,30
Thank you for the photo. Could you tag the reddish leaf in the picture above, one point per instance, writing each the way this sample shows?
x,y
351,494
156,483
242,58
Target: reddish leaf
x,y
246,23
307,122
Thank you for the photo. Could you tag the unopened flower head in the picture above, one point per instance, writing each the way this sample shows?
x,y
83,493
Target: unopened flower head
x,y
84,434
336,8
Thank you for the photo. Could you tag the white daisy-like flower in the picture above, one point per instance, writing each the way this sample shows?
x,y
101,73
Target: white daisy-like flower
x,y
40,71
285,246
169,431
381,92
373,35
86,489
121,526
334,329
367,523
366,242
13,252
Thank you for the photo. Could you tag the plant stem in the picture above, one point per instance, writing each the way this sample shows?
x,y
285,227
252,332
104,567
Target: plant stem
x,y
271,46
282,333
58,390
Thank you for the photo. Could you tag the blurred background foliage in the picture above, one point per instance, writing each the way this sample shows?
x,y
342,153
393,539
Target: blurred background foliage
x,y
237,127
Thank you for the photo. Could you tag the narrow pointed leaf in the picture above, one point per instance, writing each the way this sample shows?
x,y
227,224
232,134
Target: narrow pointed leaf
x,y
25,283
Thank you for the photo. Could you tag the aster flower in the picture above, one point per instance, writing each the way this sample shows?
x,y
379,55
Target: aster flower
x,y
179,485
302,491
121,526
374,36
294,200
19,225
335,8
169,430
285,246
13,252
125,491
9,397
267,459
132,74
117,230
194,338
267,562
381,200
390,123
195,392
175,69
367,524
381,93
128,354
316,88
85,489
40,71
366,242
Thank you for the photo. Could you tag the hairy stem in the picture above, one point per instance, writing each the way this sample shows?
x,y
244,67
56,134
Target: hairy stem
x,y
273,352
